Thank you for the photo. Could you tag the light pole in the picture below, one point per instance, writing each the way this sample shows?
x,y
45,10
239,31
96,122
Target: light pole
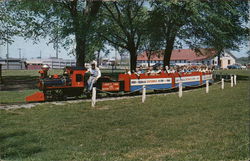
x,y
57,48
7,54
40,54
20,50
20,57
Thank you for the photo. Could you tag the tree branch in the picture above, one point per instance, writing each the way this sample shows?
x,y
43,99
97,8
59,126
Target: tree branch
x,y
113,42
117,19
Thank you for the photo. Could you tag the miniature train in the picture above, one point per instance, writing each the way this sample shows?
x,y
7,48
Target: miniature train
x,y
73,82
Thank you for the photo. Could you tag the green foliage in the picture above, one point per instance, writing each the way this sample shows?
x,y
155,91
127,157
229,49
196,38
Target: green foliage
x,y
128,25
9,27
217,24
62,21
221,25
243,60
122,25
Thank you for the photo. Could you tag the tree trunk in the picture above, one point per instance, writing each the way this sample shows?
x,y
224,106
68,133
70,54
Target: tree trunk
x,y
167,52
148,62
149,59
80,51
133,58
121,60
98,57
81,27
219,55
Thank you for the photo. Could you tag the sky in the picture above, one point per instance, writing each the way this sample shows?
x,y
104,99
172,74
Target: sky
x,y
30,50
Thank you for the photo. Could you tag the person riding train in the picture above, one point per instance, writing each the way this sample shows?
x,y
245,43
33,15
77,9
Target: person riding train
x,y
95,74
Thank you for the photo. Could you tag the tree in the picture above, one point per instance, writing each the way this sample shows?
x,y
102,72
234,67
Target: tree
x,y
151,42
8,26
94,50
173,17
244,60
248,53
62,20
151,48
123,53
217,24
227,29
122,25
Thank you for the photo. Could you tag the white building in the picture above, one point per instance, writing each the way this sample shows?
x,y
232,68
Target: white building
x,y
13,63
54,63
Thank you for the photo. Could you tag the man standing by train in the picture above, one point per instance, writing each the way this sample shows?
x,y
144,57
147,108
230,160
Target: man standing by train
x,y
95,73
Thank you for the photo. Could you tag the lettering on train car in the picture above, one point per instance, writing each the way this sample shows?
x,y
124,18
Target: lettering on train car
x,y
207,77
111,86
187,79
136,82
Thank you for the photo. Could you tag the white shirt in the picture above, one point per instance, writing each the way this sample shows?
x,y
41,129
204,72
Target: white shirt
x,y
94,72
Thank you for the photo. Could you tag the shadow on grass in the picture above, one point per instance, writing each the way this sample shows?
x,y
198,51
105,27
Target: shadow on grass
x,y
243,77
18,144
14,83
228,77
10,80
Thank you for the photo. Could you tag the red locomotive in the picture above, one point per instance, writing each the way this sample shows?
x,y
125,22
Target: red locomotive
x,y
73,81
59,87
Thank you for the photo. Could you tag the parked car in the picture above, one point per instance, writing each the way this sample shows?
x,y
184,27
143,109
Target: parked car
x,y
235,66
243,67
157,65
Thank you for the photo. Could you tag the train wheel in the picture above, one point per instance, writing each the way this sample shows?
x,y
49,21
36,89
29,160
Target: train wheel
x,y
60,95
48,96
64,98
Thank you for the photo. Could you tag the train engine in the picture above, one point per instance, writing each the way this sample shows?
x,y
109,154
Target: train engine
x,y
59,87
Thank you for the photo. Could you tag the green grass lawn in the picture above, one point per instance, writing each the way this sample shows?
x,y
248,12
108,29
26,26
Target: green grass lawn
x,y
234,71
8,97
199,126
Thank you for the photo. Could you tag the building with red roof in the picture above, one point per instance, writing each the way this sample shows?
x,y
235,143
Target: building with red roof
x,y
188,57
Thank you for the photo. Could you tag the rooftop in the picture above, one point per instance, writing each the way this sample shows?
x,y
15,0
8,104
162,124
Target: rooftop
x,y
181,54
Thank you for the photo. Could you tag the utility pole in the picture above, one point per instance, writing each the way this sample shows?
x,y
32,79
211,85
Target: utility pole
x,y
20,57
57,44
7,42
20,50
57,49
7,55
